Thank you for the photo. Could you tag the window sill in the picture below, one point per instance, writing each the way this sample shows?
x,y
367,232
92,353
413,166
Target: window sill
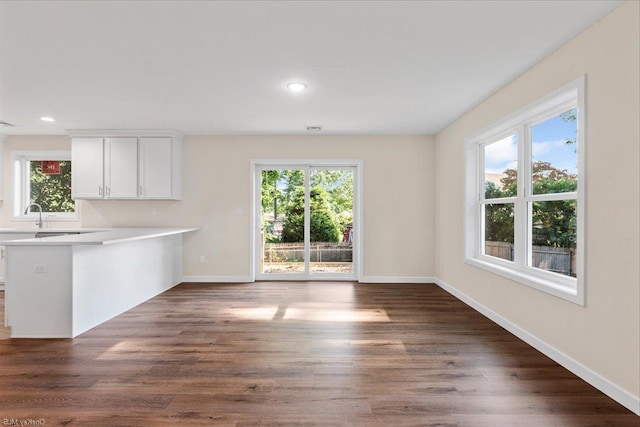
x,y
549,286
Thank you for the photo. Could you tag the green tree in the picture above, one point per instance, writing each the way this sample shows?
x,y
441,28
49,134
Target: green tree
x,y
339,187
509,183
337,183
284,189
324,227
293,181
269,188
498,216
554,222
270,199
52,192
570,116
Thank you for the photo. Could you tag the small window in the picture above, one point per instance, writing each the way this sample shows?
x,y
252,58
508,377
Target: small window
x,y
43,180
525,195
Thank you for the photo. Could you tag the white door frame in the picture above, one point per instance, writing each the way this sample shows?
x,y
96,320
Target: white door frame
x,y
256,215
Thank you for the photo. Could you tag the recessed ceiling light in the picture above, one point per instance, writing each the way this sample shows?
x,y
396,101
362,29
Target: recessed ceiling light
x,y
47,119
296,87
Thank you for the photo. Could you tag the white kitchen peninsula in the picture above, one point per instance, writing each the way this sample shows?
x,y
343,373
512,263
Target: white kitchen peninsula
x,y
60,287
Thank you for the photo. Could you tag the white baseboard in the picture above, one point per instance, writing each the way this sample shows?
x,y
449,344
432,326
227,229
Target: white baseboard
x,y
612,390
366,279
217,279
396,279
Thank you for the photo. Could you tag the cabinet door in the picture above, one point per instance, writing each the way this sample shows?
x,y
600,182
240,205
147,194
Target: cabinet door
x,y
155,168
121,168
87,172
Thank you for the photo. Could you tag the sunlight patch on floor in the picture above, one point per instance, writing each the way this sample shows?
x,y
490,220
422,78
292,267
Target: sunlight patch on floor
x,y
335,315
311,312
253,313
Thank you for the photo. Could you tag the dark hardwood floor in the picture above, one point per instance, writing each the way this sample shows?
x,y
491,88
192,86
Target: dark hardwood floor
x,y
299,354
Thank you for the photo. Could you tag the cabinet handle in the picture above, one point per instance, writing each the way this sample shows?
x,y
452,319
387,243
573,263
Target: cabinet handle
x,y
2,254
108,190
141,191
99,190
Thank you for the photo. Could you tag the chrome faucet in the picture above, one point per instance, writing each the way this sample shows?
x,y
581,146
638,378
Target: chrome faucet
x,y
39,222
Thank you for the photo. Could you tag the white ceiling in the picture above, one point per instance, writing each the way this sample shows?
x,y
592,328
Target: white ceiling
x,y
372,67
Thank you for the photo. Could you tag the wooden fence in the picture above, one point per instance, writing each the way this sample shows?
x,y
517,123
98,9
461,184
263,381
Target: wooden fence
x,y
558,260
320,252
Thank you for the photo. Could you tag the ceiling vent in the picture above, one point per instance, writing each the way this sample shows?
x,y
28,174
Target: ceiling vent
x,y
314,128
5,123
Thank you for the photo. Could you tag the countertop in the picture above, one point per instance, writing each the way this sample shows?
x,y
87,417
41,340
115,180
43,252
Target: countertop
x,y
91,237
34,230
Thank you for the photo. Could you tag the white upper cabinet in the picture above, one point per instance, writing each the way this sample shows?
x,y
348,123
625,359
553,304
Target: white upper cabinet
x,y
87,168
121,168
126,164
155,171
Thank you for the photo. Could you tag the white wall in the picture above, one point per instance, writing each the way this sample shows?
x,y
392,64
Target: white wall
x,y
604,335
398,193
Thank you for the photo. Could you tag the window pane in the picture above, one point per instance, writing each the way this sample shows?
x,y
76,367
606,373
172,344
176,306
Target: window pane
x,y
282,221
500,168
51,189
555,154
498,230
331,221
553,236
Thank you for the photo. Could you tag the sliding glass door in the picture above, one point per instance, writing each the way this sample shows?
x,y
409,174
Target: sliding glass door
x,y
282,222
306,226
331,221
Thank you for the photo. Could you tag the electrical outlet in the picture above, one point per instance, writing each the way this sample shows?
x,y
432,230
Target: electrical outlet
x,y
40,269
99,212
202,259
154,211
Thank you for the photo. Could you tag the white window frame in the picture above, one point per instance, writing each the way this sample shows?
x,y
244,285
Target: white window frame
x,y
258,165
572,95
20,196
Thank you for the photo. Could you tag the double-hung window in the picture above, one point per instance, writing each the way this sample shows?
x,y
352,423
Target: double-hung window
x,y
43,178
525,195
